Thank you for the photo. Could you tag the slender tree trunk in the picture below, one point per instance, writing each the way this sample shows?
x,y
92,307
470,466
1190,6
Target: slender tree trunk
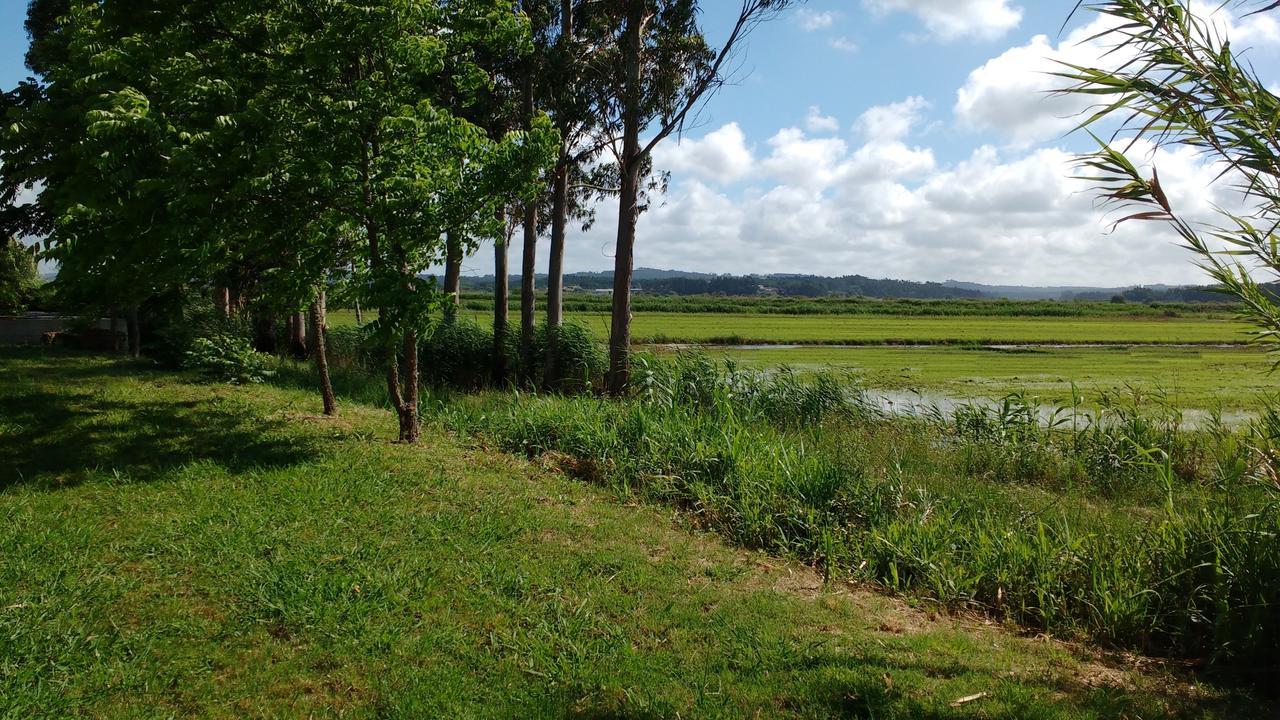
x,y
529,266
452,274
559,223
359,315
528,294
555,274
114,329
134,332
321,355
624,256
222,301
402,392
298,335
501,303
410,427
624,261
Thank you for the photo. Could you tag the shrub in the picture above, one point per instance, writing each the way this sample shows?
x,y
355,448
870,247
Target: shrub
x,y
458,354
182,319
351,348
227,358
581,360
19,279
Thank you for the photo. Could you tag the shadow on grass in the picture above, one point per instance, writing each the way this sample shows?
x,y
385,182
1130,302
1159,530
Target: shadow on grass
x,y
61,428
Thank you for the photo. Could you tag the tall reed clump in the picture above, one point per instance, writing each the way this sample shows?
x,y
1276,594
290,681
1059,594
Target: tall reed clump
x,y
1112,523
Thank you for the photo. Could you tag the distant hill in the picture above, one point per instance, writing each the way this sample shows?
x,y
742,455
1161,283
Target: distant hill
x,y
677,282
680,282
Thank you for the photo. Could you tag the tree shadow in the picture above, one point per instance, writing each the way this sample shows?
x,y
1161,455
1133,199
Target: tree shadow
x,y
59,438
869,696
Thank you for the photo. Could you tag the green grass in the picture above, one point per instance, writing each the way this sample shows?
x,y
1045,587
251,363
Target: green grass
x,y
1149,354
178,549
1205,377
842,305
750,328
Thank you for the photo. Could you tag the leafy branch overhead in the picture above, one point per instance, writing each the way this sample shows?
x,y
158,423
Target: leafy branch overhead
x,y
1176,80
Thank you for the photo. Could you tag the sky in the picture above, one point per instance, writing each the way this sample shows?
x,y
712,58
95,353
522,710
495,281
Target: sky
x,y
911,139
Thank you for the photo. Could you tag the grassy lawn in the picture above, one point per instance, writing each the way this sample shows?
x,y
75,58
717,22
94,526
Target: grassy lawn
x,y
178,549
1233,378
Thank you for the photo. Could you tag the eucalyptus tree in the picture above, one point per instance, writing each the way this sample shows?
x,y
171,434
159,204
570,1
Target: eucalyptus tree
x,y
1178,81
659,69
576,39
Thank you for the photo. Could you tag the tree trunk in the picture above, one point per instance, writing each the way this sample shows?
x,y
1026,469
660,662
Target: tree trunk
x,y
320,354
501,301
528,294
555,273
264,332
551,375
134,332
222,301
452,274
114,329
298,335
410,427
529,267
628,200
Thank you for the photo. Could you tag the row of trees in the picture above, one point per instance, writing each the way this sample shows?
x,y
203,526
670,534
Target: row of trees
x,y
267,148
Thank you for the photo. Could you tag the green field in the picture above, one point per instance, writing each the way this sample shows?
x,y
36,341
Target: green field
x,y
189,550
751,328
1184,357
1205,378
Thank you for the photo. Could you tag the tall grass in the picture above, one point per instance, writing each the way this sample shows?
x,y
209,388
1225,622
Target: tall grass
x,y
1116,524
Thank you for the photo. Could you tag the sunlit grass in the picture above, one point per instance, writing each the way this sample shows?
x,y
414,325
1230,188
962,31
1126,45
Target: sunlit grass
x,y
176,549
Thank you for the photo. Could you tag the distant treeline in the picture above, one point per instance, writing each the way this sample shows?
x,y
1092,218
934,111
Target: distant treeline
x,y
804,286
588,303
669,283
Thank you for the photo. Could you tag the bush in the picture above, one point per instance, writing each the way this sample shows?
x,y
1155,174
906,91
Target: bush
x,y
458,354
226,358
182,319
581,360
351,348
19,279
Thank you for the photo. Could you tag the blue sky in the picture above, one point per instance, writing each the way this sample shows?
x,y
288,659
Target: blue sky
x,y
891,138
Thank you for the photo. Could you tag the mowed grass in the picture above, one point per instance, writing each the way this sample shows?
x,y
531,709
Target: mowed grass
x,y
1188,377
650,328
179,549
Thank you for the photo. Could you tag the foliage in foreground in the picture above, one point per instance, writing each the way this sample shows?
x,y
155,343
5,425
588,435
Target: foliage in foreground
x,y
1179,82
1120,526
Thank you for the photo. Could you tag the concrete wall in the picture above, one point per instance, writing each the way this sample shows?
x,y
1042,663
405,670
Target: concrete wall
x,y
29,329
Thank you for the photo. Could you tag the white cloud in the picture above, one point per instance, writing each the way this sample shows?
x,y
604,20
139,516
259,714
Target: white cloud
x,y
1013,93
883,208
843,44
802,161
812,20
953,19
817,122
720,156
892,122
